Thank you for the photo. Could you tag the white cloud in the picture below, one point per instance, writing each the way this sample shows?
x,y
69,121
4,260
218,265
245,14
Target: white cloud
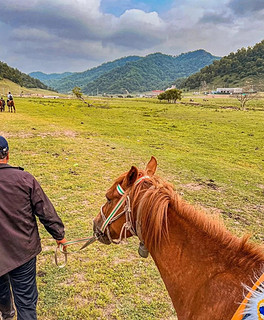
x,y
134,16
138,29
62,35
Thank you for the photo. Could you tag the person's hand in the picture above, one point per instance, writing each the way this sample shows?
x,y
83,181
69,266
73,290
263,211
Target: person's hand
x,y
62,241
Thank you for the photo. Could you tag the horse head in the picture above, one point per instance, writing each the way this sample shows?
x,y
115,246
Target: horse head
x,y
117,218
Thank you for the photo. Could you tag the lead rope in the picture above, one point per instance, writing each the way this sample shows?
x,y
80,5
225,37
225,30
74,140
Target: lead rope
x,y
61,248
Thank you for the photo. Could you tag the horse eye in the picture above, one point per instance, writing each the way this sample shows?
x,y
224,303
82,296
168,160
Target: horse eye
x,y
108,200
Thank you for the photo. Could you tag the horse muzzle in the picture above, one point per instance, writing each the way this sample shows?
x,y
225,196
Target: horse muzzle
x,y
102,237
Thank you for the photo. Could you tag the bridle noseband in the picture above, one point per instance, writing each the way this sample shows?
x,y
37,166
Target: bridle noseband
x,y
127,226
113,216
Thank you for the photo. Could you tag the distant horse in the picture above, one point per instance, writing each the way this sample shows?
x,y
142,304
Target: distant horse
x,y
2,106
11,106
203,266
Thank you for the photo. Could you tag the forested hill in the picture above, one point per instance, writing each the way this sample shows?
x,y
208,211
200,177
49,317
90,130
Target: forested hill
x,y
20,78
155,71
66,82
44,77
49,79
245,67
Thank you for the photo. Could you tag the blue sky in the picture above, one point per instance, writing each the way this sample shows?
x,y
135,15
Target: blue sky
x,y
75,35
117,8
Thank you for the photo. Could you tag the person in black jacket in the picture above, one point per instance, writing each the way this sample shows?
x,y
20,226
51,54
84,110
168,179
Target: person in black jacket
x,y
21,201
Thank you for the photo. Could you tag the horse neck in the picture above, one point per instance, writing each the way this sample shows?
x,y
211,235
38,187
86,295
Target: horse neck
x,y
203,265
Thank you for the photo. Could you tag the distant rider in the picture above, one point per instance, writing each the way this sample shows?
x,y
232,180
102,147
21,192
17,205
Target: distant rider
x,y
9,96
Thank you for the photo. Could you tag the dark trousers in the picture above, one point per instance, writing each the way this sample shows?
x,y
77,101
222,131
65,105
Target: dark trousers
x,y
24,288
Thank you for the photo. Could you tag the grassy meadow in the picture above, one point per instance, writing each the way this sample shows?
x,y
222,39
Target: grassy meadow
x,y
212,152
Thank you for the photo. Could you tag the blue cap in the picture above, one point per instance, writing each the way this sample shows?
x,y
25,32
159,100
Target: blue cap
x,y
3,145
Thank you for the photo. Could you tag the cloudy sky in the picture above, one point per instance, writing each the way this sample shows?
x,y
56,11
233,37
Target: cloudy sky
x,y
75,35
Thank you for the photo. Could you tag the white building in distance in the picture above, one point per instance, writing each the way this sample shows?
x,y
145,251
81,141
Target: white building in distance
x,y
229,90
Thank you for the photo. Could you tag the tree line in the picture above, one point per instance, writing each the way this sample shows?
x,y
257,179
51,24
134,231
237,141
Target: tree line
x,y
19,77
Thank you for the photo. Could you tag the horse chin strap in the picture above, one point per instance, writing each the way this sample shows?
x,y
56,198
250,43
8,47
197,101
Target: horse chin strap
x,y
128,225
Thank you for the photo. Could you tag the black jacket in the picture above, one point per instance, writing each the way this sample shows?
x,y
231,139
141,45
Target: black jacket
x,y
21,200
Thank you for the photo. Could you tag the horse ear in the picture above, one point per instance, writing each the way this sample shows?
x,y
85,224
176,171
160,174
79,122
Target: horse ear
x,y
131,177
151,166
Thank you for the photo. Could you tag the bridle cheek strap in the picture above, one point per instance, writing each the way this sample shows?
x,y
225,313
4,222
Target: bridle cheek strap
x,y
111,216
128,225
120,190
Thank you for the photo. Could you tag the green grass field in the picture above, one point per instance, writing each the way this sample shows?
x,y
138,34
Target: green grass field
x,y
212,153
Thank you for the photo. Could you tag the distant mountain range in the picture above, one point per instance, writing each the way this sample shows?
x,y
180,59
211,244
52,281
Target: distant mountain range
x,y
65,82
191,70
131,74
245,68
49,79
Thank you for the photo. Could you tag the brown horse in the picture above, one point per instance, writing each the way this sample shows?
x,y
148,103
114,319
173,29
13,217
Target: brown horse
x,y
203,266
11,106
2,106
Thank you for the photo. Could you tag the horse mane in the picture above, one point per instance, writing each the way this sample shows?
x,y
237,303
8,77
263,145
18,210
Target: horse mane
x,y
155,199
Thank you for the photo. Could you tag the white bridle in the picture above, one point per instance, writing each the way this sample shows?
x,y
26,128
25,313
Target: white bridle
x,y
114,215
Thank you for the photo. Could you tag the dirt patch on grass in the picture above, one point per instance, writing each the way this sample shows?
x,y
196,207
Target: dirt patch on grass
x,y
77,278
259,208
25,135
66,133
117,261
107,312
8,135
199,185
238,218
102,107
192,186
69,133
